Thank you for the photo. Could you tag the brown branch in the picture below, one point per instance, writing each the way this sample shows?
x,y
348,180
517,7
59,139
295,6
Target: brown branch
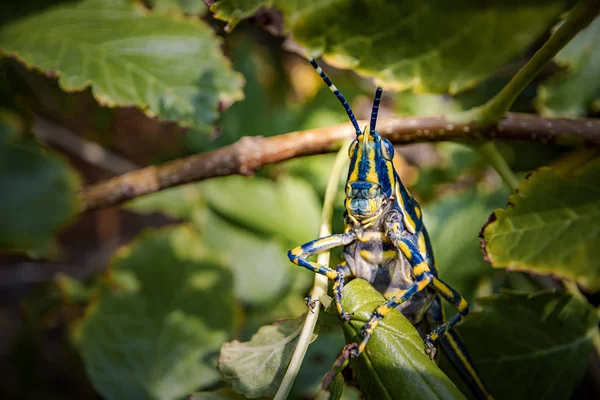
x,y
250,153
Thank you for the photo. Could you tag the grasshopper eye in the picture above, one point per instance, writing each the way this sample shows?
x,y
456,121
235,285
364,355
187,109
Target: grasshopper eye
x,y
352,148
387,150
372,192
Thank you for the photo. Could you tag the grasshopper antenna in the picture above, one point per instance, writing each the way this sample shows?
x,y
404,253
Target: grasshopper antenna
x,y
375,109
338,94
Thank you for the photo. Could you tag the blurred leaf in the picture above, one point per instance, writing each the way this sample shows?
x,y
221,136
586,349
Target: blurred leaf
x,y
154,339
39,191
438,47
183,6
453,224
255,368
177,202
260,266
221,394
410,103
570,94
287,208
531,346
394,361
550,226
168,66
235,10
456,160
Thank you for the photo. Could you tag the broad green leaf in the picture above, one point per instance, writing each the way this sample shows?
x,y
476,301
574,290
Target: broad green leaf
x,y
170,67
220,394
260,266
571,93
155,337
182,6
39,191
262,272
438,47
255,368
287,208
531,346
394,364
453,225
550,226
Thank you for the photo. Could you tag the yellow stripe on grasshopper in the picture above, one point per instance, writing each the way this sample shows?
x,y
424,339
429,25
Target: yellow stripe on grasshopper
x,y
409,224
466,364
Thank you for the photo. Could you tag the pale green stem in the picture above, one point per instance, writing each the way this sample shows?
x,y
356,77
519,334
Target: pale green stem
x,y
320,286
490,153
579,17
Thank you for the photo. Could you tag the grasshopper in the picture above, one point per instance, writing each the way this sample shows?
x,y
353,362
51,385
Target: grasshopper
x,y
386,243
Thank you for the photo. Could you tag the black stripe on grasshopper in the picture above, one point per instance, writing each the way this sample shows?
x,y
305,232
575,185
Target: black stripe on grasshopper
x,y
386,243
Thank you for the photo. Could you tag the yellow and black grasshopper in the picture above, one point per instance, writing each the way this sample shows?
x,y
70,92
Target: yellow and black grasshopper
x,y
386,243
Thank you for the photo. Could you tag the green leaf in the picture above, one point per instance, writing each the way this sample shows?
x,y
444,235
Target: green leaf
x,y
288,208
571,93
550,226
155,337
260,266
531,346
453,225
438,47
170,67
255,368
262,271
394,364
39,191
182,6
221,394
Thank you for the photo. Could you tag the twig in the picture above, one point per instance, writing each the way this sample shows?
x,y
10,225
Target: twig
x,y
250,153
321,282
584,12
90,152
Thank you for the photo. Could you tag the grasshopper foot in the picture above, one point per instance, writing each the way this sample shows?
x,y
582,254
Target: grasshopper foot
x,y
311,303
430,348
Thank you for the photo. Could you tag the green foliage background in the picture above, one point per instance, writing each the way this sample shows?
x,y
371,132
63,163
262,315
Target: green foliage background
x,y
189,290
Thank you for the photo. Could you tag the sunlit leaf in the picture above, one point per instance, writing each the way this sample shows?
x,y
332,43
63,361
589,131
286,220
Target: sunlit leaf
x,y
155,337
183,6
288,208
394,361
531,346
571,93
551,226
260,266
255,368
437,46
39,191
168,66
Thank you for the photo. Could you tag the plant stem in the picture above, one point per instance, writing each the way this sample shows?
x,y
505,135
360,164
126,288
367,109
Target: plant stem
x,y
252,152
320,286
489,152
579,17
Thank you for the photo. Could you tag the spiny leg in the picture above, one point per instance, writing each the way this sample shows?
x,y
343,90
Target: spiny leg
x,y
343,272
435,318
300,254
457,301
